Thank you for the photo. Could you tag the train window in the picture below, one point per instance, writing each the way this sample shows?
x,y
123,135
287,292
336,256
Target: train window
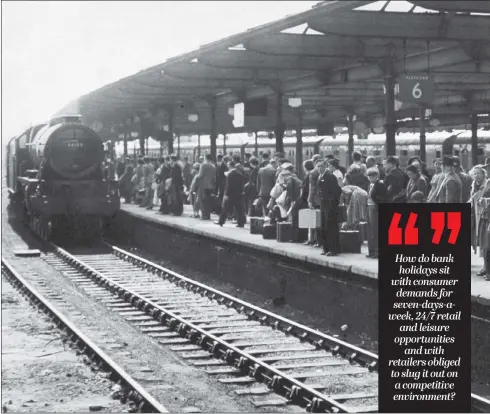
x,y
438,154
403,153
376,152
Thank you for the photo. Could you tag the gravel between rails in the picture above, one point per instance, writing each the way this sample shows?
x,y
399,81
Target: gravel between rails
x,y
38,372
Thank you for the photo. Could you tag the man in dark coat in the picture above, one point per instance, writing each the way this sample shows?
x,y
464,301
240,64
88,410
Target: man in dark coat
x,y
221,169
266,180
251,187
233,196
186,172
330,193
162,190
395,181
177,187
450,190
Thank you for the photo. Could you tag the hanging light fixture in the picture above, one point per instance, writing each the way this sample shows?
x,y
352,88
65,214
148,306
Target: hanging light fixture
x,y
231,111
193,117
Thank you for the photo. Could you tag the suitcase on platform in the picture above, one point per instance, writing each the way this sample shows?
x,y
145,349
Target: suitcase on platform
x,y
269,231
300,235
256,225
309,219
284,232
363,229
350,241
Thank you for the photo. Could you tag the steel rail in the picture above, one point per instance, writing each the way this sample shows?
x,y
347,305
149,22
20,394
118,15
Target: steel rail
x,y
480,404
144,401
317,338
281,383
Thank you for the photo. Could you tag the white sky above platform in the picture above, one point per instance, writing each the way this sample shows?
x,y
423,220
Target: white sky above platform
x,y
54,52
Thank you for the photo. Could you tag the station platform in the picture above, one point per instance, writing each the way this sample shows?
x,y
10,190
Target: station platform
x,y
353,264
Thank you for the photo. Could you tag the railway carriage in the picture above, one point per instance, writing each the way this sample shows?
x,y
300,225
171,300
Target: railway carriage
x,y
54,176
408,145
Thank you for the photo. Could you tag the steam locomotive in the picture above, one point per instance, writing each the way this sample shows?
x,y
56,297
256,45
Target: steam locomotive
x,y
55,178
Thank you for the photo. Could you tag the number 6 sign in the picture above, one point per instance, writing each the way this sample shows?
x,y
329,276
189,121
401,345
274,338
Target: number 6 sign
x,y
416,89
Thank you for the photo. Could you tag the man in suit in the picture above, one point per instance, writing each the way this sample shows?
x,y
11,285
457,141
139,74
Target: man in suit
x,y
233,196
265,160
186,171
395,181
207,181
177,206
450,190
221,163
330,193
266,180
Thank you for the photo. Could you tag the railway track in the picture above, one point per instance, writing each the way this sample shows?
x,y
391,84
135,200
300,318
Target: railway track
x,y
131,390
240,344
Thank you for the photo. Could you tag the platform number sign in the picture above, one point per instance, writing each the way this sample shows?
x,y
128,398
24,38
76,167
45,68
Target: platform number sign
x,y
416,89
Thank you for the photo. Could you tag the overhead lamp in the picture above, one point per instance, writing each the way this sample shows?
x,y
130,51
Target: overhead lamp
x,y
134,135
295,102
231,111
193,117
428,113
354,118
435,122
165,128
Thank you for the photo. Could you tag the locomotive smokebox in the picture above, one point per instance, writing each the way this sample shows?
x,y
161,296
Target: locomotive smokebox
x,y
72,150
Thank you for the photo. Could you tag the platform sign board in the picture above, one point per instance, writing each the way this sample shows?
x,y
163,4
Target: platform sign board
x,y
424,308
239,115
416,89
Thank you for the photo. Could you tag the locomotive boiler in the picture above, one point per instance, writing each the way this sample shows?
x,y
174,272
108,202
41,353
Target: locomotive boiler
x,y
54,174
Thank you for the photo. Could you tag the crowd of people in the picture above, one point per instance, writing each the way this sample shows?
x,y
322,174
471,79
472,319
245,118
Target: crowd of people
x,y
347,198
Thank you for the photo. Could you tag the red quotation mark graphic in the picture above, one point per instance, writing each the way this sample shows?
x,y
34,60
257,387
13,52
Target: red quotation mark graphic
x,y
438,224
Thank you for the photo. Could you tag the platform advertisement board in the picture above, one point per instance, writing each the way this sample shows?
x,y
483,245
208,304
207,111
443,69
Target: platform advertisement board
x,y
424,308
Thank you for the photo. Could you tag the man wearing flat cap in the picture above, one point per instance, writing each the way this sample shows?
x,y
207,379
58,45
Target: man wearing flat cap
x,y
450,190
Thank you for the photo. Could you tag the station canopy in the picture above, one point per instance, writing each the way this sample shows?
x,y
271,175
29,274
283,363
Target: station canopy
x,y
335,57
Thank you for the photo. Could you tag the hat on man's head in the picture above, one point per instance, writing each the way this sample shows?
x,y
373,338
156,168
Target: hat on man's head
x,y
286,165
334,161
447,161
